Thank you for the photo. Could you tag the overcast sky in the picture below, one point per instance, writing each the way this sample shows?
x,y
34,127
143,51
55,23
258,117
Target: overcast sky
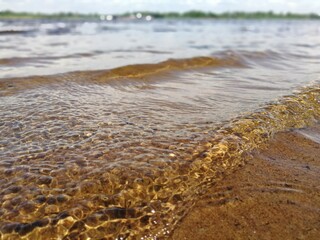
x,y
120,6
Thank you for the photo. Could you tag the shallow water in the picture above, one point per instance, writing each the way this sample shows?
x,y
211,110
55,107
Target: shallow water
x,y
113,150
274,196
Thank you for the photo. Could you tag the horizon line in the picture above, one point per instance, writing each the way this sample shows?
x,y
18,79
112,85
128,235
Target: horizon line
x,y
164,12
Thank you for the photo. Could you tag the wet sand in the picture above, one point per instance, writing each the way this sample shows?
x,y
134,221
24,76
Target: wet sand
x,y
276,195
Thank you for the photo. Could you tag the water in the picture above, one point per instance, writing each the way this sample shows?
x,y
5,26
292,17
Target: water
x,y
55,47
114,130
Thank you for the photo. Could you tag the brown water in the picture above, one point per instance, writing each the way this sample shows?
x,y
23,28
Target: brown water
x,y
113,150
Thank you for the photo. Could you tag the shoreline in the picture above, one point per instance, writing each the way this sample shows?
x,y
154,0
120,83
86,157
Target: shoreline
x,y
149,15
276,195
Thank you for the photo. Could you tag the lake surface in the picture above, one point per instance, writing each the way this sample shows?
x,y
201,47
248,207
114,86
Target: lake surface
x,y
114,129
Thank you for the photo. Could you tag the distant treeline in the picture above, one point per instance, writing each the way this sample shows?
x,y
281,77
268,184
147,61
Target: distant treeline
x,y
236,15
229,15
189,14
63,15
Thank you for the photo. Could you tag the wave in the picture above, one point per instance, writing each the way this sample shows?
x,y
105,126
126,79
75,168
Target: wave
x,y
18,61
138,71
14,32
147,203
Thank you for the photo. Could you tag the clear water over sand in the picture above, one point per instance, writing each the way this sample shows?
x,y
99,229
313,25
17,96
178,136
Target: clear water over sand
x,y
114,130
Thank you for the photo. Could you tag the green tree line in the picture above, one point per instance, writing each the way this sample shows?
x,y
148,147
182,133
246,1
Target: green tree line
x,y
230,15
190,14
63,15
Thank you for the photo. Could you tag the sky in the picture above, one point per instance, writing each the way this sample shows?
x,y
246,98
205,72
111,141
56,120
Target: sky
x,y
121,6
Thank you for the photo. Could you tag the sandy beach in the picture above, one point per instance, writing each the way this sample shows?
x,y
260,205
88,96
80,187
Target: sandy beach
x,y
276,195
